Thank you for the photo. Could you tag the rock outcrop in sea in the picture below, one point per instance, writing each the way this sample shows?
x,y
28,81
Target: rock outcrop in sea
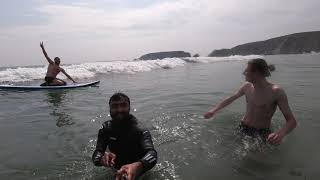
x,y
298,43
162,55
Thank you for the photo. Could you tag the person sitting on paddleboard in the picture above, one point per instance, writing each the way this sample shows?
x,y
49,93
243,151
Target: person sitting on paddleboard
x,y
122,144
53,70
262,99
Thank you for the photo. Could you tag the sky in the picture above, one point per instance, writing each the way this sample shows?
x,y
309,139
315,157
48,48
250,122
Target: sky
x,y
103,30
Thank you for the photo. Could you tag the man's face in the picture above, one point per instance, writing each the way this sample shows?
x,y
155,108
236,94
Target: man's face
x,y
57,61
249,74
119,110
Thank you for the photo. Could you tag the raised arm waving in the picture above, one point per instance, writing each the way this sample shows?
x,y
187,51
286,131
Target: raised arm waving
x,y
45,53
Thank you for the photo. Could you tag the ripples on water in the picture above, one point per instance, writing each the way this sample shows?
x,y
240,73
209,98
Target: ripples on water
x,y
52,134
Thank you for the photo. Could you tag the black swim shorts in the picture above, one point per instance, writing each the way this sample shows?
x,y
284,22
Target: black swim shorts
x,y
254,132
49,79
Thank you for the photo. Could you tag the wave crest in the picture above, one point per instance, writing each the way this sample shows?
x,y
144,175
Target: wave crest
x,y
90,70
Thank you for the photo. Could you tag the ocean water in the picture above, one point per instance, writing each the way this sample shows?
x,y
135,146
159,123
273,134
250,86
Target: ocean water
x,y
51,134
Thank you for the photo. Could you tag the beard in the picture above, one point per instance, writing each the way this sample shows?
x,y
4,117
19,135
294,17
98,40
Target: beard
x,y
121,119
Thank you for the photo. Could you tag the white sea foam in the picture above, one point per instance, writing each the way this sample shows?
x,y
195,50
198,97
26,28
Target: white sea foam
x,y
21,74
90,70
222,59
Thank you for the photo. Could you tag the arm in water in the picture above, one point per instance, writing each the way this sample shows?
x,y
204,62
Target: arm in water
x,y
291,123
45,53
226,102
100,157
65,73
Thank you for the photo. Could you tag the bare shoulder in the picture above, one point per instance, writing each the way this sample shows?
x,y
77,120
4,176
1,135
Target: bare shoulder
x,y
246,85
278,91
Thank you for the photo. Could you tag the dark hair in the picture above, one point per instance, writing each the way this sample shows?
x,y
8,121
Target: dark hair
x,y
261,66
118,96
57,58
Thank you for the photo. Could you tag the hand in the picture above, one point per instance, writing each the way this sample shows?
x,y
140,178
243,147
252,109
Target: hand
x,y
108,160
275,138
41,45
129,171
208,115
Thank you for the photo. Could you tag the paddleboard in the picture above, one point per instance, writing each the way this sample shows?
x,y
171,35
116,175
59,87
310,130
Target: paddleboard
x,y
38,87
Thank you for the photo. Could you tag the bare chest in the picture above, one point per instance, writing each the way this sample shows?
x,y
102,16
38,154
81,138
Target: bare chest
x,y
261,100
53,68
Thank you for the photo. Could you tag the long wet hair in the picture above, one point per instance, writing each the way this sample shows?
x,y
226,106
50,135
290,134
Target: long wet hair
x,y
260,65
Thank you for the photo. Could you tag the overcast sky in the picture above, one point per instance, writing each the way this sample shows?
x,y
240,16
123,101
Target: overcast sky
x,y
103,30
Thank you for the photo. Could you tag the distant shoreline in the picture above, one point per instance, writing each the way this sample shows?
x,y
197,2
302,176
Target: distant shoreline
x,y
297,43
38,66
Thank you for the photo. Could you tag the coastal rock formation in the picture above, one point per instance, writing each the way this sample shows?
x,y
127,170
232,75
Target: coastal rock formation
x,y
162,55
297,43
196,55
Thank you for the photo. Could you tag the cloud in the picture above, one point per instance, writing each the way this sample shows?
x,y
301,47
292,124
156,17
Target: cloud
x,y
164,16
83,19
129,28
78,18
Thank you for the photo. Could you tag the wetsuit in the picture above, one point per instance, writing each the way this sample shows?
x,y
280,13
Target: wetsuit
x,y
129,143
254,132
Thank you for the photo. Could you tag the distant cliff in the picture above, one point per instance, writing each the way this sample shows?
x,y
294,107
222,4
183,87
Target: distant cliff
x,y
298,43
162,55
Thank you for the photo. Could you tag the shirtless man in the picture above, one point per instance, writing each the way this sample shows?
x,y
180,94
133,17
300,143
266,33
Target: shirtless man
x,y
262,98
53,70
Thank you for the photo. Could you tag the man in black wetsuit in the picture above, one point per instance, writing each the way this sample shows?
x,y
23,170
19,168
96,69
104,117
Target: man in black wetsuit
x,y
122,144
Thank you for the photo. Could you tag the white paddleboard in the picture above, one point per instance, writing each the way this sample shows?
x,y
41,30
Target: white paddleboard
x,y
77,85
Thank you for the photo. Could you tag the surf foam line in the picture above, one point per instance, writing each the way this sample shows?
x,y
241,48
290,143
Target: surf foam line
x,y
90,70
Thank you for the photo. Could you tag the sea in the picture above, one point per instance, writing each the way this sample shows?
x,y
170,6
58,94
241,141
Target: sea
x,y
51,134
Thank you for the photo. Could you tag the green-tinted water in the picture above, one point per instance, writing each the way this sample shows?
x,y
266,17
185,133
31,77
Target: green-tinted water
x,y
51,134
